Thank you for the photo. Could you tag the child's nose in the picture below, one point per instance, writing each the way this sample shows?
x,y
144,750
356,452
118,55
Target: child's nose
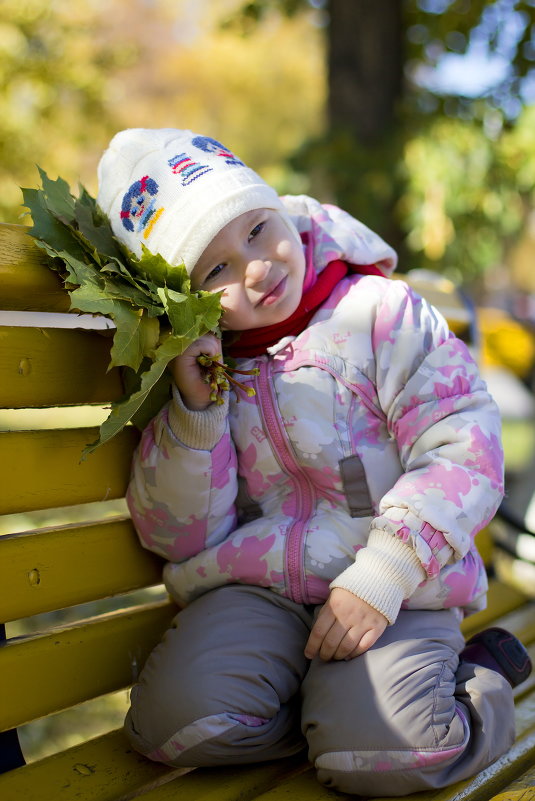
x,y
257,271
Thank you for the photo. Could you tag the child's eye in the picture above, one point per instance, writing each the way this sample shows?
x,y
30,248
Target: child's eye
x,y
218,269
256,230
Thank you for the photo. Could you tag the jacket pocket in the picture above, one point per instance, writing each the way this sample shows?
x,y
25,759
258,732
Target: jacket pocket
x,y
355,486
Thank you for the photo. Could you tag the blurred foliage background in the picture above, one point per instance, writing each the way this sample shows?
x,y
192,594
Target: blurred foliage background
x,y
72,74
417,116
372,104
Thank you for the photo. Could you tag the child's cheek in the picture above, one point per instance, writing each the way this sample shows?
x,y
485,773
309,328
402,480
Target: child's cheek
x,y
224,322
284,248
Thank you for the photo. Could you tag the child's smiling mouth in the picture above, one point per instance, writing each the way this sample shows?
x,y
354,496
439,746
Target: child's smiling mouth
x,y
274,294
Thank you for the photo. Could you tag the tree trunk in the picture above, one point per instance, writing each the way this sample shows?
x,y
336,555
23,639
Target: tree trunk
x,y
365,66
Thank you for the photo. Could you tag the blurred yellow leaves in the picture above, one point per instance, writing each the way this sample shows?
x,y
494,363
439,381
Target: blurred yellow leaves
x,y
72,74
505,342
446,166
436,230
466,191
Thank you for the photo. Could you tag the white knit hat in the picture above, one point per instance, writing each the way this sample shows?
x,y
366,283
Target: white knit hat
x,y
174,190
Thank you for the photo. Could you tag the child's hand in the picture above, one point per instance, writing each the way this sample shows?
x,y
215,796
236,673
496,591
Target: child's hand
x,y
346,627
188,373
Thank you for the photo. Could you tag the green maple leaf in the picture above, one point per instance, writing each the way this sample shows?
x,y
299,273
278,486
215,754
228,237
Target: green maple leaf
x,y
143,296
94,227
57,196
191,315
160,272
124,410
47,228
134,339
136,333
157,397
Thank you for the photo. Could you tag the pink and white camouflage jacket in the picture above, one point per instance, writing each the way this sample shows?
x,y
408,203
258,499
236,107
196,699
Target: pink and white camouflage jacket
x,y
369,457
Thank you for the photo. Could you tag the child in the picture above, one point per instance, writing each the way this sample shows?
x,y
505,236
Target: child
x,y
320,533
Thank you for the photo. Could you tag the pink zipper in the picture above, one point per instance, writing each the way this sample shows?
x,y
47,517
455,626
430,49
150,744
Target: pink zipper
x,y
303,488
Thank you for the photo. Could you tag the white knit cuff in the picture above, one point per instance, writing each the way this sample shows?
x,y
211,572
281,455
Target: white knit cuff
x,y
198,430
383,574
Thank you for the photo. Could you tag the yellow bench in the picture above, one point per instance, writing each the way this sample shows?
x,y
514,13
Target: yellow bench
x,y
67,566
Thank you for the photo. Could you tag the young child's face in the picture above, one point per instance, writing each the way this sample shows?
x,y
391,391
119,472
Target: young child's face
x,y
259,266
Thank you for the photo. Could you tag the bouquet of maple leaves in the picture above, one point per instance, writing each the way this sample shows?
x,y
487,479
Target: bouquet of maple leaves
x,y
156,315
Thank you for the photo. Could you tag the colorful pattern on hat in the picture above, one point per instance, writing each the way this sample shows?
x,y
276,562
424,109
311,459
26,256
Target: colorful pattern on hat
x,y
213,146
174,190
138,212
188,169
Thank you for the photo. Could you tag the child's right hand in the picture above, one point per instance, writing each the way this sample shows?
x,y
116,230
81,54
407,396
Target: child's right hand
x,y
346,627
188,373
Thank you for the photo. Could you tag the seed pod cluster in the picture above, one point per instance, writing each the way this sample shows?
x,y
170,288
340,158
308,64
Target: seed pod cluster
x,y
218,375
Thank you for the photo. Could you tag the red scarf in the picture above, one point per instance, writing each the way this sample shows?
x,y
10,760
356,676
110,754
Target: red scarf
x,y
316,290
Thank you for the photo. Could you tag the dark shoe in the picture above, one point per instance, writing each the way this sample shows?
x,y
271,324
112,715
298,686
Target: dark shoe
x,y
499,650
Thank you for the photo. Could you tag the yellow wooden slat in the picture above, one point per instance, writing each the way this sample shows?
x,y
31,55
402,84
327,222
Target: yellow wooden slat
x,y
42,469
27,284
501,599
303,787
102,769
523,789
228,784
107,769
525,717
50,367
484,545
234,783
45,570
53,671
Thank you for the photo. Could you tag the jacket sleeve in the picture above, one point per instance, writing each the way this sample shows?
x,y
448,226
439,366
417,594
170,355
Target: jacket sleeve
x,y
448,432
183,485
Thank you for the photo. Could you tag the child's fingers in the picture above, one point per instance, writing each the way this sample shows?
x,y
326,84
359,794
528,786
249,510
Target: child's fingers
x,y
318,633
350,645
346,627
207,344
332,642
368,639
188,374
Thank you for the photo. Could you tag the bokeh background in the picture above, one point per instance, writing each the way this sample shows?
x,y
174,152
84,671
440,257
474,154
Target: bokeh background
x,y
417,116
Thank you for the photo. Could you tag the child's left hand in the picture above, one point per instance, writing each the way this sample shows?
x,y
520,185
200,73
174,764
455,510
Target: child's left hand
x,y
346,627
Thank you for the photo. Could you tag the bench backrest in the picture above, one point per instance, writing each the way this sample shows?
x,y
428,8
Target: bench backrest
x,y
54,567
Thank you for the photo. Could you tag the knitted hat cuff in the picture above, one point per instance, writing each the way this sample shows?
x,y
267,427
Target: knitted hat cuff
x,y
216,215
